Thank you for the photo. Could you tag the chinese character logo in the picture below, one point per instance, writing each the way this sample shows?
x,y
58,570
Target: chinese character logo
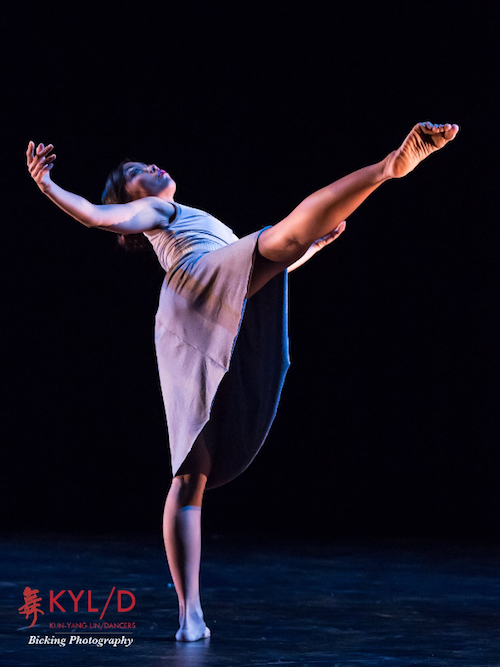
x,y
31,604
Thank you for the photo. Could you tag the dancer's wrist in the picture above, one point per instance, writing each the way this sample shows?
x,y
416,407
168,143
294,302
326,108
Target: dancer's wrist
x,y
46,186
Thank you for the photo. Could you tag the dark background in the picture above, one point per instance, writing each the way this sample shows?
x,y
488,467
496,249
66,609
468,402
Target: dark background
x,y
388,424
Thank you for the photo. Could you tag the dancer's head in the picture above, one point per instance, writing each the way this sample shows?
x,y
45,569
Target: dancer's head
x,y
135,180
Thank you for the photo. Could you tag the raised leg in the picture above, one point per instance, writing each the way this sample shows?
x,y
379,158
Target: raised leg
x,y
182,537
322,212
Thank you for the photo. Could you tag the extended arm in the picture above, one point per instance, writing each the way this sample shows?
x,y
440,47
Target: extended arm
x,y
132,218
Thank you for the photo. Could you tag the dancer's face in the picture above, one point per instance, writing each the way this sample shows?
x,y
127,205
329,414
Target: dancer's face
x,y
145,180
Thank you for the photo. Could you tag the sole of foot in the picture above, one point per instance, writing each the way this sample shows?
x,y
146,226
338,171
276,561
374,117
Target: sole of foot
x,y
423,140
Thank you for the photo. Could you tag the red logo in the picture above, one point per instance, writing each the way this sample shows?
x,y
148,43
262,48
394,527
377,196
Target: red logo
x,y
31,604
125,601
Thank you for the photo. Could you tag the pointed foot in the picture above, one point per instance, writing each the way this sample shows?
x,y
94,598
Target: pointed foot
x,y
424,139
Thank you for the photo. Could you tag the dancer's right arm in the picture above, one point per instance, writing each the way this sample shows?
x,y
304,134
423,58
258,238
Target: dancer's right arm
x,y
137,216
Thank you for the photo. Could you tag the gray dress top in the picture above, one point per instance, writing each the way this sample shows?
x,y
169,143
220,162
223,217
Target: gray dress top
x,y
222,359
190,230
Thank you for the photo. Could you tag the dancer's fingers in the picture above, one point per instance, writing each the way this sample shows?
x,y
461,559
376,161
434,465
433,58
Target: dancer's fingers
x,y
36,169
45,150
30,152
331,236
341,228
40,165
39,158
50,158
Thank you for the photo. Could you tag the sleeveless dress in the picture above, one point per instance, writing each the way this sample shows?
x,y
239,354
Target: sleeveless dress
x,y
222,359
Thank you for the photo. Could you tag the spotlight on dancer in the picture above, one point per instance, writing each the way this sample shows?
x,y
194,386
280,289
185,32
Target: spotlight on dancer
x,y
221,328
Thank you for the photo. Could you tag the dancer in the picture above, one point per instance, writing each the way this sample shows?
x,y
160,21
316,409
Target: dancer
x,y
221,326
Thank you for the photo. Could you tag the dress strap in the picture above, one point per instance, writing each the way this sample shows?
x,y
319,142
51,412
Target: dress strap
x,y
175,214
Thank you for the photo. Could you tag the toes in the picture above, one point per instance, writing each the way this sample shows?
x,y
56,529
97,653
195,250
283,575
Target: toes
x,y
426,127
452,132
448,130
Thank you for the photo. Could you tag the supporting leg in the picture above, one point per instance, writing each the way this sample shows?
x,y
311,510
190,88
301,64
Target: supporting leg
x,y
182,537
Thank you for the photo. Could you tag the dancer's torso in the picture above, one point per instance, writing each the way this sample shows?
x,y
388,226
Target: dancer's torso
x,y
191,230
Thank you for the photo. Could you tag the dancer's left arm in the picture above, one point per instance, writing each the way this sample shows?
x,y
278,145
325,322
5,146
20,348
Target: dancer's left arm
x,y
133,217
318,245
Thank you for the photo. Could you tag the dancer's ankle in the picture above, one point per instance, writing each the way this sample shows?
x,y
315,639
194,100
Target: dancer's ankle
x,y
191,610
386,166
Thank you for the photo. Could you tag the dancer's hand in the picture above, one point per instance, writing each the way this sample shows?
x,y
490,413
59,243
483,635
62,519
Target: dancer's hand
x,y
329,238
40,162
318,245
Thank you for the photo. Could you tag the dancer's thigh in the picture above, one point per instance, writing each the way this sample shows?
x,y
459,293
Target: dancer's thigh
x,y
263,271
199,459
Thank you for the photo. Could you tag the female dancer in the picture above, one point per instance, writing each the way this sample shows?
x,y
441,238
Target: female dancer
x,y
221,329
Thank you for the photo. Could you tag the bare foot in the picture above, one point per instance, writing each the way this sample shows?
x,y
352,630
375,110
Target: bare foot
x,y
424,139
192,629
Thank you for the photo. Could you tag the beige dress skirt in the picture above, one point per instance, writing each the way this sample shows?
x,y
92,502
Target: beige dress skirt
x,y
222,359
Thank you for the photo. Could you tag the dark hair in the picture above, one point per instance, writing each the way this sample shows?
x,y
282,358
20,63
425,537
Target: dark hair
x,y
115,192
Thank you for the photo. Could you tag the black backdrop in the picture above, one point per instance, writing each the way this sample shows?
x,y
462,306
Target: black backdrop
x,y
388,424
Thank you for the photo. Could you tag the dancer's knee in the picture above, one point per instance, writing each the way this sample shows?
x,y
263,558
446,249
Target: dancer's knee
x,y
282,244
189,488
199,459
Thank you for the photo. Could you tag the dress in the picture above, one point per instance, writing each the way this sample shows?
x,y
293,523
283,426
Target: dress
x,y
222,360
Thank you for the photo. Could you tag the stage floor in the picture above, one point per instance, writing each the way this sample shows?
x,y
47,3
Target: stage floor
x,y
267,603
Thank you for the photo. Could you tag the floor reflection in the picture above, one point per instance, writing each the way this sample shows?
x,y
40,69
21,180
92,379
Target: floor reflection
x,y
191,654
365,604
